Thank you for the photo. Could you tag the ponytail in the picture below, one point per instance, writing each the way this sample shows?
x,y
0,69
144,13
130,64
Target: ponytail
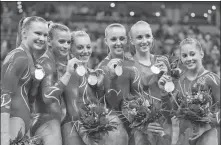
x,y
19,35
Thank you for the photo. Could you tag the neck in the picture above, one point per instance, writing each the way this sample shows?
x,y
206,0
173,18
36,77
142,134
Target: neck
x,y
57,58
61,59
116,56
36,54
194,73
143,56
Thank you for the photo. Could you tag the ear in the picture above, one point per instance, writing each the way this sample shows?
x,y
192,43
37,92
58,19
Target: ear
x,y
105,40
202,54
23,34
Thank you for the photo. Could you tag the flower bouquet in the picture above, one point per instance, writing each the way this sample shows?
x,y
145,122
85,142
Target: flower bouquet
x,y
196,107
96,122
139,112
25,140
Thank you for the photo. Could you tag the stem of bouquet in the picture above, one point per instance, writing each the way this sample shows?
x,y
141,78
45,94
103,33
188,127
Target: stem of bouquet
x,y
175,100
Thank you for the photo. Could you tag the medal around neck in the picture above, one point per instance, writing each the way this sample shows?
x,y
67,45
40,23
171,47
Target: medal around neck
x,y
155,69
118,70
39,73
92,80
169,87
81,71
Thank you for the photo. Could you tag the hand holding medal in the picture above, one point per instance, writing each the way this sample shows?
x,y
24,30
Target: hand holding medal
x,y
158,67
75,65
115,67
95,76
165,83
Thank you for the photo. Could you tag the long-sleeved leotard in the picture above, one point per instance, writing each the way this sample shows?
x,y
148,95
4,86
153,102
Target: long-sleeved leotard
x,y
152,93
206,81
77,94
16,79
48,100
119,88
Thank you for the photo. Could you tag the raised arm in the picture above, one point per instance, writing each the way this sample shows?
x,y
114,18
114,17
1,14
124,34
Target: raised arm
x,y
51,87
12,70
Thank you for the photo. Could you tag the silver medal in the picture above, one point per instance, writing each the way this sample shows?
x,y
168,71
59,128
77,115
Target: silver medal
x,y
39,73
118,70
169,87
81,71
155,69
92,80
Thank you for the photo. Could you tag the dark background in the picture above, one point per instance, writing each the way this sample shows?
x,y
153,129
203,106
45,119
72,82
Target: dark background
x,y
171,22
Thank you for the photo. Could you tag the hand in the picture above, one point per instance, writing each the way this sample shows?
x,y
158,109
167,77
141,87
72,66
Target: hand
x,y
163,79
111,66
162,66
155,128
71,63
100,77
175,121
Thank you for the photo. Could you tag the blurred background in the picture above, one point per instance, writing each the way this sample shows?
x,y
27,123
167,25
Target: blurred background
x,y
171,22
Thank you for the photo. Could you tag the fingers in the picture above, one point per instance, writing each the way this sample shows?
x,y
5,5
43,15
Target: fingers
x,y
162,66
114,62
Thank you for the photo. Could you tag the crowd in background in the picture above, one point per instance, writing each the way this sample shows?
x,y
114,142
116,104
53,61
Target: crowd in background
x,y
167,39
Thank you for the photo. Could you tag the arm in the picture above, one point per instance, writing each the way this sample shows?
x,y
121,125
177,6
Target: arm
x,y
52,88
11,74
71,94
214,84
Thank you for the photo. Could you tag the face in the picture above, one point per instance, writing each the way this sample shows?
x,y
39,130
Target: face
x,y
36,35
191,56
82,48
116,40
60,43
142,38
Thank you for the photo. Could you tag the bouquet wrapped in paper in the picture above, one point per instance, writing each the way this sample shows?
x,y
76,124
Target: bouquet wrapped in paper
x,y
25,140
195,107
139,112
96,122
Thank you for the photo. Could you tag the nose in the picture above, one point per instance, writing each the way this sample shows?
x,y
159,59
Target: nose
x,y
144,40
66,46
188,58
118,42
42,38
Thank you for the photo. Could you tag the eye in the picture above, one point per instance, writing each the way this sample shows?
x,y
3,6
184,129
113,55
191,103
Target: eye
x,y
184,55
80,47
192,53
148,36
113,39
122,38
68,42
61,41
88,47
38,33
139,37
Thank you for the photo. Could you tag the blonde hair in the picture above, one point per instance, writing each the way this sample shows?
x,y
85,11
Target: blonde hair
x,y
112,26
75,34
25,24
190,40
141,22
56,26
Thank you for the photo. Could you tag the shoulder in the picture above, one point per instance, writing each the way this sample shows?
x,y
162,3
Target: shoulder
x,y
104,62
47,62
17,56
212,78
